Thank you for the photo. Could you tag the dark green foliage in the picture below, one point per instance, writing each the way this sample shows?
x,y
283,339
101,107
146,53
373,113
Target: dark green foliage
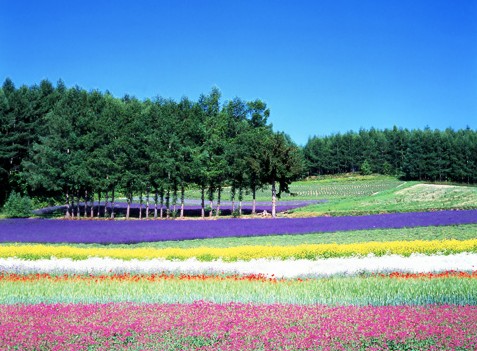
x,y
366,168
17,206
78,147
431,155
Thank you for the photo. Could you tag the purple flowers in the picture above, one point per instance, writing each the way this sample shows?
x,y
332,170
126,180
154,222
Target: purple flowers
x,y
134,231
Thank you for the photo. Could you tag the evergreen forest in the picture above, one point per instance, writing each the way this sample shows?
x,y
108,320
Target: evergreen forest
x,y
425,155
72,145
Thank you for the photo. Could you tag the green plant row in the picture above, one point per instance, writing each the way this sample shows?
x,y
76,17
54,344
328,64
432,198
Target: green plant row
x,y
330,291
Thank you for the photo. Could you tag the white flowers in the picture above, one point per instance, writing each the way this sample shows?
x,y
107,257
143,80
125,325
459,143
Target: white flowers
x,y
416,263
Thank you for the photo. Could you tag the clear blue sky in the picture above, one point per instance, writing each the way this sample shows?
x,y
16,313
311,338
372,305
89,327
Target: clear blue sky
x,y
321,66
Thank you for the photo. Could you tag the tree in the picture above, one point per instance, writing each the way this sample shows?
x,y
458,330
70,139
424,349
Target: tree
x,y
283,164
366,168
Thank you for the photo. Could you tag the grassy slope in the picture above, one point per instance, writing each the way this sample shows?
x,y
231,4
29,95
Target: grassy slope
x,y
319,189
355,194
406,197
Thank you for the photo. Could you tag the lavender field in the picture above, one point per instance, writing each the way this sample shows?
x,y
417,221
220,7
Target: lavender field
x,y
134,231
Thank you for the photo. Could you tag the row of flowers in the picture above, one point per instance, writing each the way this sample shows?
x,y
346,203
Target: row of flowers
x,y
128,277
305,251
236,326
289,268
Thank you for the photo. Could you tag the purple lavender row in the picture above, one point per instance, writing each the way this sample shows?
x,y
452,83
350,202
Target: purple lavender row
x,y
134,231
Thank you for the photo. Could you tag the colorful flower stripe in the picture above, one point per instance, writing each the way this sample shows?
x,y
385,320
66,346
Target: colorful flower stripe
x,y
415,263
447,274
311,251
128,277
358,290
134,231
236,326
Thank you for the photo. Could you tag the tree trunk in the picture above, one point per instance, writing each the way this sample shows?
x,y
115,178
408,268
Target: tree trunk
x,y
67,213
211,201
112,205
99,202
147,204
182,200
232,198
168,203
174,202
106,202
155,203
92,205
78,205
240,201
202,202
254,202
140,205
128,208
85,203
72,206
274,199
219,193
162,203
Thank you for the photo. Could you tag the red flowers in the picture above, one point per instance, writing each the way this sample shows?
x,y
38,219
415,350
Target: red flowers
x,y
446,274
133,277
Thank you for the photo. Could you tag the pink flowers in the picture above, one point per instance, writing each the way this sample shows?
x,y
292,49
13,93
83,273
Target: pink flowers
x,y
234,326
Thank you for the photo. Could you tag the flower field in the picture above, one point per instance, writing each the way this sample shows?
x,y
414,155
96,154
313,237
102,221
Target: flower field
x,y
116,232
306,251
398,289
236,326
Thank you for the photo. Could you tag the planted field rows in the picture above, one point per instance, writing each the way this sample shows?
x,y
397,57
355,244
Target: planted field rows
x,y
409,197
331,190
321,190
241,286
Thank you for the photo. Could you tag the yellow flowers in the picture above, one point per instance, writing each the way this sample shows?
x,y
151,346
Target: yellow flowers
x,y
245,253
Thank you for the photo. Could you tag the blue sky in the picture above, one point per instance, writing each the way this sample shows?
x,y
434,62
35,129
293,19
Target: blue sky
x,y
321,66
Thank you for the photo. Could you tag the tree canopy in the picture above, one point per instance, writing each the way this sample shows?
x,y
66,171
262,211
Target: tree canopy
x,y
75,145
428,155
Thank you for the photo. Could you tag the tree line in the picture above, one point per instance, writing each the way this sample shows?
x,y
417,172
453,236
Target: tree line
x,y
76,146
86,146
429,155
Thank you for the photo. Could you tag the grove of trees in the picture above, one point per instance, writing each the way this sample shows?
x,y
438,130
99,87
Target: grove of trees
x,y
430,155
79,146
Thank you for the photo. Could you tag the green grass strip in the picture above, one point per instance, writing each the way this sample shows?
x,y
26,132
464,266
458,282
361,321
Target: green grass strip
x,y
330,291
